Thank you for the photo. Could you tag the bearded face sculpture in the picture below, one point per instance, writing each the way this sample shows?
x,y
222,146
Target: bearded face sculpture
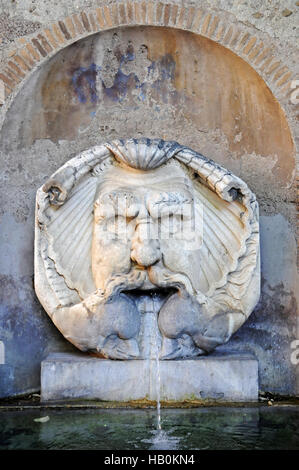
x,y
133,220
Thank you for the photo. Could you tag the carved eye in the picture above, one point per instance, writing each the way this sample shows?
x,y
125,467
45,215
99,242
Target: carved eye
x,y
171,224
103,211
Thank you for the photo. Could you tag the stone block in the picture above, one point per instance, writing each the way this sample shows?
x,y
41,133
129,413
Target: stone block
x,y
229,378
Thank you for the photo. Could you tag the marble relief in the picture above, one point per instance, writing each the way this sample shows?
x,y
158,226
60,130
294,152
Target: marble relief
x,y
141,226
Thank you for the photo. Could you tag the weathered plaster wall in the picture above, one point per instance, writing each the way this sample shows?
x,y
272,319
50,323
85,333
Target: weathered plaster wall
x,y
150,81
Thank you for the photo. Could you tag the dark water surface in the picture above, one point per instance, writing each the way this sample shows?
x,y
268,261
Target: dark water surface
x,y
275,427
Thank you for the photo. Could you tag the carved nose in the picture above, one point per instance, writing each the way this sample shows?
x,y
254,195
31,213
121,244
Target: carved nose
x,y
145,250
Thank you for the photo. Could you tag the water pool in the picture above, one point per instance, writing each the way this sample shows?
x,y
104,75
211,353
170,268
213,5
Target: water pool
x,y
259,427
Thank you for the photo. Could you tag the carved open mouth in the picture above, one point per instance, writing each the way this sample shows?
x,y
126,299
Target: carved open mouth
x,y
159,293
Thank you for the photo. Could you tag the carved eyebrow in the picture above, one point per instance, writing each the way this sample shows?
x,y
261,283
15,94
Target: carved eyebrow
x,y
173,198
120,193
115,195
117,203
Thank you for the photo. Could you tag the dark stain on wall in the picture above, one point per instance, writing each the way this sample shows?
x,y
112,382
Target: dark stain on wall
x,y
85,80
84,83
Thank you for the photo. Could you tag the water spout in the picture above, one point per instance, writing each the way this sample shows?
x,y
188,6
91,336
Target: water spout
x,y
157,339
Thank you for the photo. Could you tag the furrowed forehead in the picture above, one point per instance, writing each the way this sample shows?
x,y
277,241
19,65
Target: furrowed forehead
x,y
168,177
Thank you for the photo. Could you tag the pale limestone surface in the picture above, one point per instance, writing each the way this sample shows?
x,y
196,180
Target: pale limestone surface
x,y
146,232
222,378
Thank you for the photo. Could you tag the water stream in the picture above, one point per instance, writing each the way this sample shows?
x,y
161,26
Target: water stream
x,y
150,340
157,344
158,384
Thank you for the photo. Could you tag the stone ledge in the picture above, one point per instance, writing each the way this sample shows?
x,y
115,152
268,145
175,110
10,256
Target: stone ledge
x,y
228,378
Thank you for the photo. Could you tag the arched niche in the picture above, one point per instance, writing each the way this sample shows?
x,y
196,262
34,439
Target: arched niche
x,y
158,82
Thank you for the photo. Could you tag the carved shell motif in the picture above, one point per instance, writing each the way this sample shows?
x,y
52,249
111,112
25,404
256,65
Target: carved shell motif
x,y
143,153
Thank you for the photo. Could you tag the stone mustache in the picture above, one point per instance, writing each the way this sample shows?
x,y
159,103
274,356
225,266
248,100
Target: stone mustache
x,y
135,217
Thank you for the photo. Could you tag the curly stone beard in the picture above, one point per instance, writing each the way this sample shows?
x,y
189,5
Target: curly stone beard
x,y
158,275
190,325
107,322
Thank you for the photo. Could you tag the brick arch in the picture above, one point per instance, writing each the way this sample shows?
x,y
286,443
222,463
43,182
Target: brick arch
x,y
31,53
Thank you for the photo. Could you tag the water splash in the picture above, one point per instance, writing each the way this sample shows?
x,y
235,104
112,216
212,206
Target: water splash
x,y
162,440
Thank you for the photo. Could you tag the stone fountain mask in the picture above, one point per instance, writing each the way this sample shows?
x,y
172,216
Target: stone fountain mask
x,y
130,218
